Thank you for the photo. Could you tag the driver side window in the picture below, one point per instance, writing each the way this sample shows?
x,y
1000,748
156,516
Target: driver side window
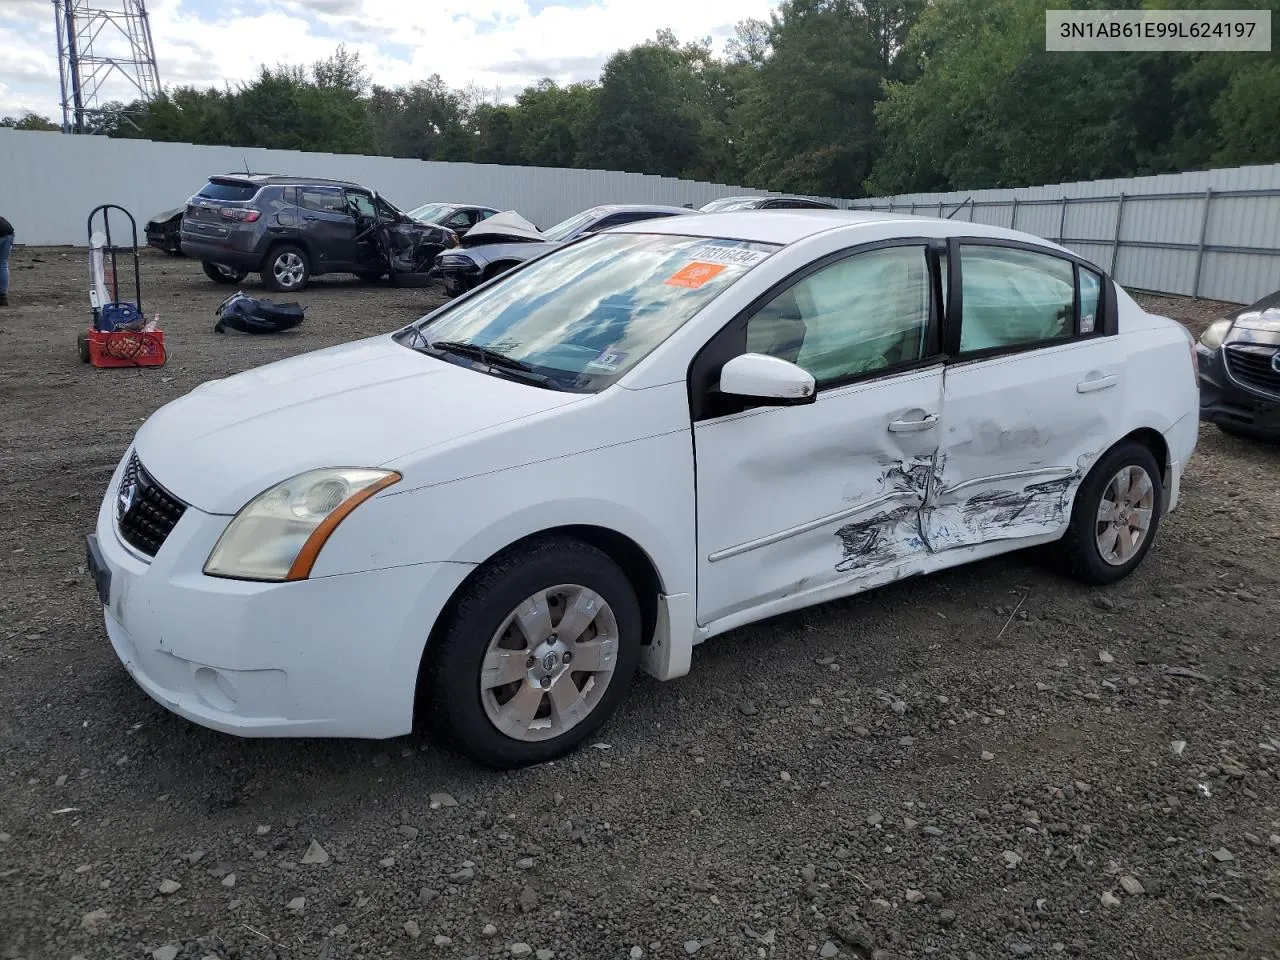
x,y
864,313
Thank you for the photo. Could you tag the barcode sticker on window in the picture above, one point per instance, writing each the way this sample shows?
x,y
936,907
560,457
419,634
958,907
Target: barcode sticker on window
x,y
731,256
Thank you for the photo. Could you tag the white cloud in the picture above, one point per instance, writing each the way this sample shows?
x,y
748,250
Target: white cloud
x,y
498,45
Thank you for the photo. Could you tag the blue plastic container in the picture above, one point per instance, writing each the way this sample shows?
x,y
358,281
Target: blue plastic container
x,y
112,316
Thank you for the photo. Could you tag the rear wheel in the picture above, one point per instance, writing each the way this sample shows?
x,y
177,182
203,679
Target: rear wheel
x,y
538,653
286,269
1115,517
219,273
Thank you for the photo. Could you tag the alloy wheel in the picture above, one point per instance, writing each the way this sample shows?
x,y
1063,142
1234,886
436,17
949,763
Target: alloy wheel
x,y
549,663
288,269
1124,514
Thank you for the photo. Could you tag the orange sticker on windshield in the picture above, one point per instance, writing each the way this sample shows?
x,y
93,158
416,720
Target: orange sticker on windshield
x,y
694,274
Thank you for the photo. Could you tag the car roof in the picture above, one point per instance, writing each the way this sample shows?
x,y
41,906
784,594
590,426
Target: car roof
x,y
638,207
790,226
769,196
261,179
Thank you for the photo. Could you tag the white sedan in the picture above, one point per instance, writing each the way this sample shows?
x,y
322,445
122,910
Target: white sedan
x,y
489,519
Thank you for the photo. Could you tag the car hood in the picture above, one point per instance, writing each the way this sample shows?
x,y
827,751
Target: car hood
x,y
360,404
167,215
502,227
1258,322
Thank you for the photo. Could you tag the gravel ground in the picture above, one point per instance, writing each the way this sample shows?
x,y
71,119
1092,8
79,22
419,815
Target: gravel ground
x,y
992,762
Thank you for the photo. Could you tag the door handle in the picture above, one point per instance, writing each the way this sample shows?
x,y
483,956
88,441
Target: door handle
x,y
310,218
913,426
1101,383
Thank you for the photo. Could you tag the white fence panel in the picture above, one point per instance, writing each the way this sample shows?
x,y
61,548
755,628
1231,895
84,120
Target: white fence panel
x,y
1208,233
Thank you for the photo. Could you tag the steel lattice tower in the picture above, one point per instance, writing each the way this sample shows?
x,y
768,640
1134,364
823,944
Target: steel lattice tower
x,y
98,42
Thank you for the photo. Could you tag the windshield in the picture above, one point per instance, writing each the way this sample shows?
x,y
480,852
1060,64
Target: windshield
x,y
565,228
431,212
731,203
585,314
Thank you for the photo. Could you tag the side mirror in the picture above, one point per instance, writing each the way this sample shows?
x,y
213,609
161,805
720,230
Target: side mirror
x,y
770,380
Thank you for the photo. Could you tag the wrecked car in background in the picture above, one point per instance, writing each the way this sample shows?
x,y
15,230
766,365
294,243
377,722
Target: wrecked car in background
x,y
630,444
507,239
289,229
458,217
1238,358
164,231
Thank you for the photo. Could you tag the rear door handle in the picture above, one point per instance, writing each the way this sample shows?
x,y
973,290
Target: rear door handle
x,y
913,426
310,218
1102,383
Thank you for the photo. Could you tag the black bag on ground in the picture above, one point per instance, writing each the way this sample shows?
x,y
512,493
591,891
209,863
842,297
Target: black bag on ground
x,y
251,315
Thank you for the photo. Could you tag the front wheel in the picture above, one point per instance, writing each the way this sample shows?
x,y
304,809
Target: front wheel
x,y
1115,517
223,274
286,269
538,653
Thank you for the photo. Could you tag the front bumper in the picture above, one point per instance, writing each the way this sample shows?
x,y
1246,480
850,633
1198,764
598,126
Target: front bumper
x,y
333,656
1226,403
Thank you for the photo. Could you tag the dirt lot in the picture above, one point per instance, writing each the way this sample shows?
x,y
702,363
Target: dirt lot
x,y
973,765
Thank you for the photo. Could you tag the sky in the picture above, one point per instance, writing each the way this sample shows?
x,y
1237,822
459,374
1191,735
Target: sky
x,y
501,46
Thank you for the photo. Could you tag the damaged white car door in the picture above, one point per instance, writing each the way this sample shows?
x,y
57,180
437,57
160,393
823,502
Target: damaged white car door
x,y
1032,395
795,499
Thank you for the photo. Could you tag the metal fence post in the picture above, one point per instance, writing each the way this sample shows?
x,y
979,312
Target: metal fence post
x,y
913,208
891,204
1204,229
1062,220
1013,215
1115,241
939,209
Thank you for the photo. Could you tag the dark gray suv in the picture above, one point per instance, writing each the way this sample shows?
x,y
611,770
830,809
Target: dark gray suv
x,y
289,229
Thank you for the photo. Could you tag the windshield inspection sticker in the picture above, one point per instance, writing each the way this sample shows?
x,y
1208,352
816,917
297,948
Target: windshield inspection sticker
x,y
694,275
608,360
732,256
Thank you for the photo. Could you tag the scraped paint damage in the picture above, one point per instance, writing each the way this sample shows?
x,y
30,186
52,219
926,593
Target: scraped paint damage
x,y
879,540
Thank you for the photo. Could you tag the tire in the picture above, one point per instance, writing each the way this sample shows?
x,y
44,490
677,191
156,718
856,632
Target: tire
x,y
224,275
82,347
465,713
1083,546
497,270
286,269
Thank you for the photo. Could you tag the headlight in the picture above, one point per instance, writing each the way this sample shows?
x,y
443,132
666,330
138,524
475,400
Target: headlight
x,y
278,534
454,260
1217,332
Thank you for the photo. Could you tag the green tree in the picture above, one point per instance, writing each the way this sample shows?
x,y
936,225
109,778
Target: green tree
x,y
554,124
808,120
651,110
28,121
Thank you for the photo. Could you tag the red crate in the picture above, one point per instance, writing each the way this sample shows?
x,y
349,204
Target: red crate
x,y
127,348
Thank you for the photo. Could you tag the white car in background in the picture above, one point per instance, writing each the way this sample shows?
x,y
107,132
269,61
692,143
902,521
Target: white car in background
x,y
638,441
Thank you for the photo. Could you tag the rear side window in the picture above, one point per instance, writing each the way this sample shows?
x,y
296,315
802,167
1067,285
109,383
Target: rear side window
x,y
227,191
1014,297
324,199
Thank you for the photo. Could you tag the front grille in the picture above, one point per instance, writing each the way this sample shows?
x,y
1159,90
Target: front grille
x,y
146,513
1253,366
